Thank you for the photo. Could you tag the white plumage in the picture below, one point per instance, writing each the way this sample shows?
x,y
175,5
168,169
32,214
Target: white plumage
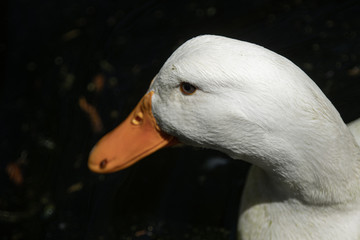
x,y
257,106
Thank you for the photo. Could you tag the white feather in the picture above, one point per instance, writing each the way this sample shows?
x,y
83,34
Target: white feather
x,y
258,106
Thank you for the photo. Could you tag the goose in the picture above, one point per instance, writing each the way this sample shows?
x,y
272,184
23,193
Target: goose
x,y
254,105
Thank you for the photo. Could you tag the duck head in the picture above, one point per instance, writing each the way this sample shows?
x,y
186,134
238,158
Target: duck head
x,y
224,94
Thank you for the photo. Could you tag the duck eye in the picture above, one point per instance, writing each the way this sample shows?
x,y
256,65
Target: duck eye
x,y
187,88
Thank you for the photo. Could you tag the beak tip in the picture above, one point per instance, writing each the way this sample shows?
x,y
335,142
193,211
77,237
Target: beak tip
x,y
93,164
93,167
96,162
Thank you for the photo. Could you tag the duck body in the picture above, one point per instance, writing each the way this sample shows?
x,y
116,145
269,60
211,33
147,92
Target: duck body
x,y
267,215
257,106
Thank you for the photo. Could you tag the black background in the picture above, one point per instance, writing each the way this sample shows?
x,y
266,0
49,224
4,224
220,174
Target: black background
x,y
54,49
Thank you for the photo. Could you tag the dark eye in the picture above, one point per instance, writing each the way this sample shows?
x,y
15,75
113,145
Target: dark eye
x,y
187,88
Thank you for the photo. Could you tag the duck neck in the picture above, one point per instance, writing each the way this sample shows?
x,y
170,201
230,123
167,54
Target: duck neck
x,y
314,171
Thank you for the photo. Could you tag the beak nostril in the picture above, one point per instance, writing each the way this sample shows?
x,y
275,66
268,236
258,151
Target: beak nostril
x,y
103,163
137,120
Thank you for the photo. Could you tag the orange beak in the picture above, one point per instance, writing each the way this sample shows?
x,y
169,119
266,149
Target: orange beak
x,y
135,138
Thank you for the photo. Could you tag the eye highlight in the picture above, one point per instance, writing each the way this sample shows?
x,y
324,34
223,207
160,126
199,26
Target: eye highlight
x,y
187,88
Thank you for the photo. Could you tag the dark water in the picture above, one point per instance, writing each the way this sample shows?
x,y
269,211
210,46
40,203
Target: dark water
x,y
66,58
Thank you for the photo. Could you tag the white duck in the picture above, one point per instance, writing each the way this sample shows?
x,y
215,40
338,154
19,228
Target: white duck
x,y
257,106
